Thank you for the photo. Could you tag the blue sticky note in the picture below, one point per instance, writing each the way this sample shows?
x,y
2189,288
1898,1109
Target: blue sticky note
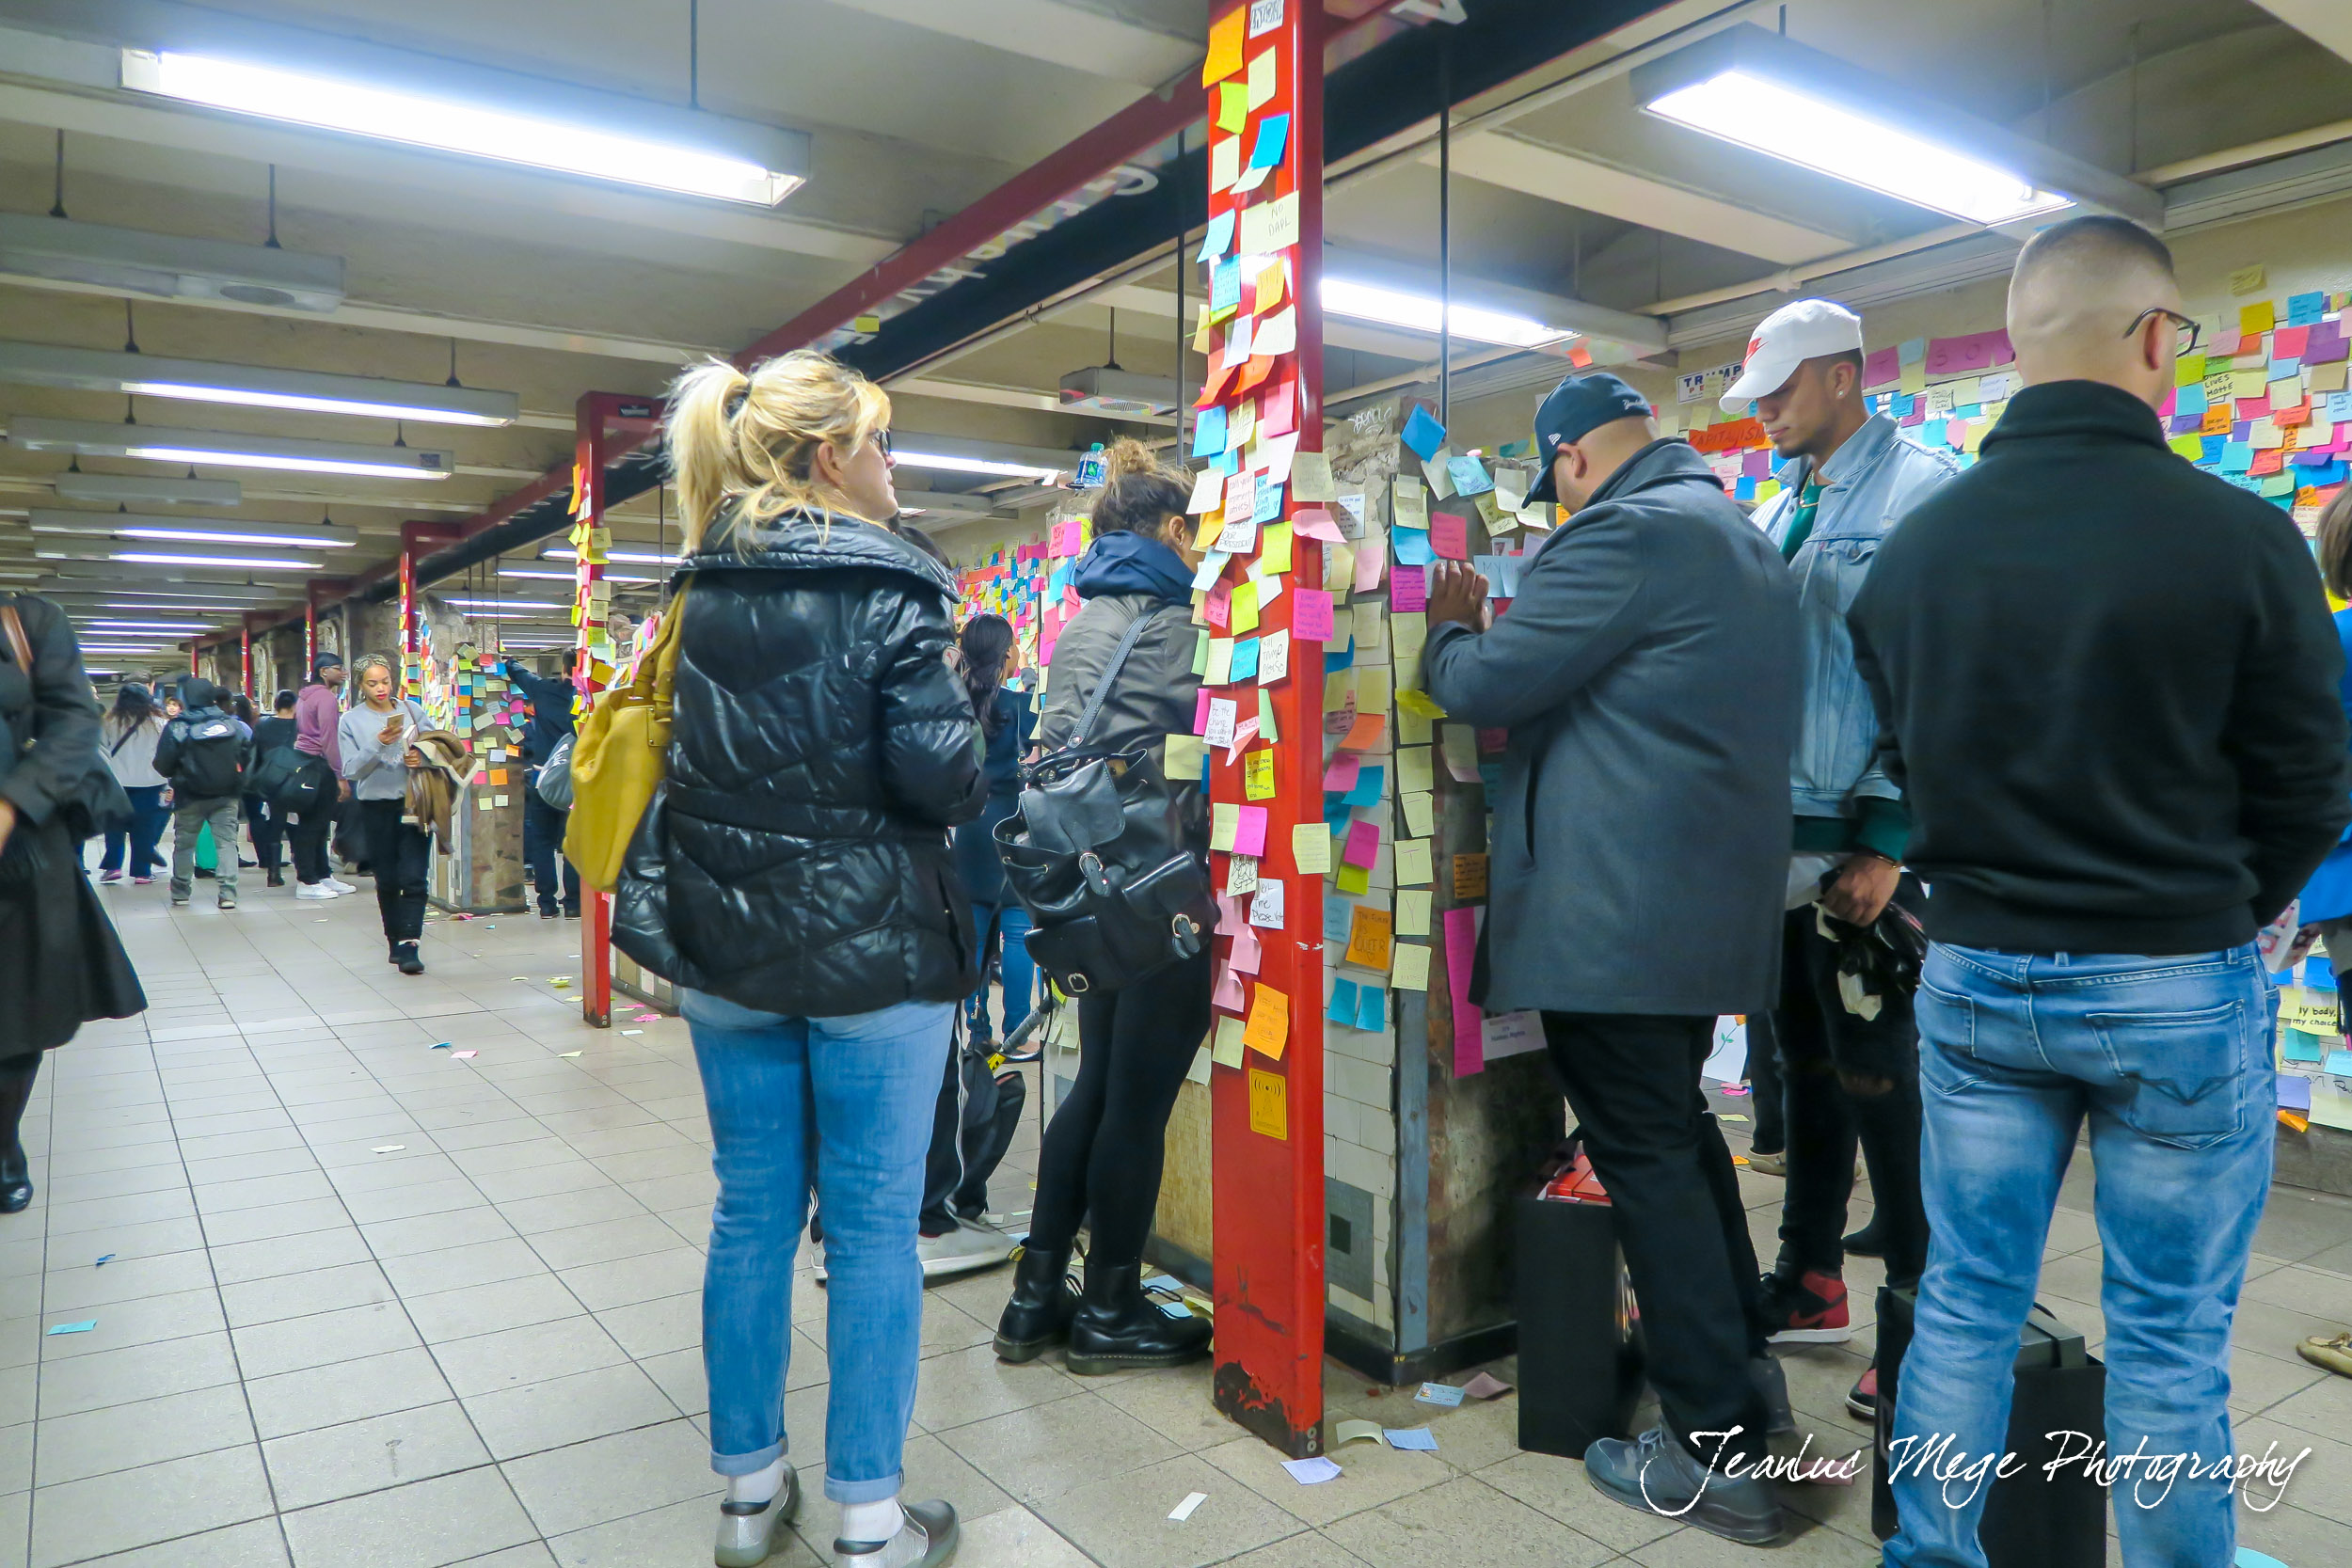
x,y
2340,406
1336,915
1910,351
1219,239
1274,134
73,1328
1269,498
2294,1094
104,1261
1444,1394
1312,1472
1245,659
1225,285
1418,1439
1372,1010
1746,492
2189,403
1410,546
1423,434
2237,457
2304,310
1367,790
1468,475
1227,462
1337,659
2296,1046
443,1046
1335,814
2339,1061
1208,433
1342,1008
2319,974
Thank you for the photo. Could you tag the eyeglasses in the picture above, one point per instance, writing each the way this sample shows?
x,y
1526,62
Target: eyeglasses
x,y
2186,331
881,440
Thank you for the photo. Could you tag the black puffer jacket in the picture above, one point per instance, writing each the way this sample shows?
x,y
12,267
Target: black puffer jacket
x,y
796,860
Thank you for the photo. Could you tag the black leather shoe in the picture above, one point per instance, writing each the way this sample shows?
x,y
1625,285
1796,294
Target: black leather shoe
x,y
1865,1243
1655,1475
16,1170
16,1178
405,955
1044,1301
1118,1328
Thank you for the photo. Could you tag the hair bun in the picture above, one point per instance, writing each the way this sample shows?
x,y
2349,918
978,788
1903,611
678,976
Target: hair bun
x,y
1127,456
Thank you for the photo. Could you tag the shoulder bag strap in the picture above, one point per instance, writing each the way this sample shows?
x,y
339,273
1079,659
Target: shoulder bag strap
x,y
20,647
1136,628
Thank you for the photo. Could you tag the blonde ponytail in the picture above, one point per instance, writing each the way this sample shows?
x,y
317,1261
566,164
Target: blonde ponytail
x,y
749,441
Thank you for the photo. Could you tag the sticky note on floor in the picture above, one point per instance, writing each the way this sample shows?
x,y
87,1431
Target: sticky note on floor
x,y
73,1328
1442,1394
1312,1472
1354,1432
1183,1511
1416,1439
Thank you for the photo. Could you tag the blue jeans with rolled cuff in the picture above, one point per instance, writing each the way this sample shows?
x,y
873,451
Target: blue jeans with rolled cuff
x,y
841,1106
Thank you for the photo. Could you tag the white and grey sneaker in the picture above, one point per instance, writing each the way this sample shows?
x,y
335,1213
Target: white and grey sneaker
x,y
927,1540
316,891
972,1246
748,1532
339,885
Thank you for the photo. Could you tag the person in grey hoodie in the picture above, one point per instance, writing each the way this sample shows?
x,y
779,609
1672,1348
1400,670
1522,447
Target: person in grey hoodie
x,y
373,740
203,756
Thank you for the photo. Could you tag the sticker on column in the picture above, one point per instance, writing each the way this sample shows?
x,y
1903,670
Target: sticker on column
x,y
1264,16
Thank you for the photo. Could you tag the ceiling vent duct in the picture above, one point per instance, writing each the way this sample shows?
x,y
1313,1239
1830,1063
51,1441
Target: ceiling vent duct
x,y
168,266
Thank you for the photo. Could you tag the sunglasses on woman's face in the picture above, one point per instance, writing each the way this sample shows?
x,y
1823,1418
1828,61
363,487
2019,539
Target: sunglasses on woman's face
x,y
881,440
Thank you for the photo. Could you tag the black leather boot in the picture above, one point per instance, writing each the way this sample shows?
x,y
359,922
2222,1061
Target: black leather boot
x,y
16,1170
1118,1328
1042,1303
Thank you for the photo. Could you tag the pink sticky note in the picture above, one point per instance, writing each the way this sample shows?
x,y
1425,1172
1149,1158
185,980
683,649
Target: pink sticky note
x,y
1956,432
1882,367
1449,535
1311,616
461,1055
1200,713
1277,409
1341,775
1408,589
1370,558
1461,951
1249,831
1228,994
1230,917
1247,951
1315,522
1364,844
2288,342
1219,608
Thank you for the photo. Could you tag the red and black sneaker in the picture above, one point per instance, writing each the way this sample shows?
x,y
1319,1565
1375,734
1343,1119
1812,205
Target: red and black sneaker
x,y
1862,1400
1809,1310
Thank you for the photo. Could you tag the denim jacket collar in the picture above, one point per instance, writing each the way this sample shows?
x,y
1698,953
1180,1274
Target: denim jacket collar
x,y
1848,463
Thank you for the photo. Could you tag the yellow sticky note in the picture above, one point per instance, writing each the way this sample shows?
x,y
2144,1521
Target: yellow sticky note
x,y
1419,704
483,802
1270,226
1310,848
2190,447
1220,670
1274,549
2245,280
1186,756
1262,79
1420,814
2260,316
1257,776
1269,1030
1411,971
1226,37
1232,106
1412,863
1914,378
1244,609
1226,1051
1224,820
1412,912
1212,524
1355,881
1224,166
1269,1094
1273,284
1415,772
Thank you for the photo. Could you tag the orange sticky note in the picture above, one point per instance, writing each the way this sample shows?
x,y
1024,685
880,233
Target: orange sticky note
x,y
1369,933
1225,40
498,775
1269,1031
1365,733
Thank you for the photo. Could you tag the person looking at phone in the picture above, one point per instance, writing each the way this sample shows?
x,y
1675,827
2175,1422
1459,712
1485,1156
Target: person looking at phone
x,y
374,741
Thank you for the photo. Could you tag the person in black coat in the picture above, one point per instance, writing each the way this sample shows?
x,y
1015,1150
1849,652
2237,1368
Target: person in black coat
x,y
551,699
60,964
792,875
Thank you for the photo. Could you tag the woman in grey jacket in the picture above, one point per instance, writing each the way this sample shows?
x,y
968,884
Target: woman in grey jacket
x,y
1102,1154
126,739
372,739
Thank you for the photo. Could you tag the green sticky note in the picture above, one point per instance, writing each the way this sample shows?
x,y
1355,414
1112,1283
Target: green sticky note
x,y
1201,654
1268,729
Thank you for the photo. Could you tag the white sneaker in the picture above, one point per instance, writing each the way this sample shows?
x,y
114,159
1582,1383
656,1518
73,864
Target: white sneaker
x,y
972,1246
339,885
317,890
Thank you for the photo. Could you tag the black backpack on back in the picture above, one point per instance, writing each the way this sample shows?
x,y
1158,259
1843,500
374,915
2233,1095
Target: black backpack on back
x,y
210,764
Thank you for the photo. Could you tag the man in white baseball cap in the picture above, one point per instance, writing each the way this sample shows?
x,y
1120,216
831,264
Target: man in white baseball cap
x,y
1847,478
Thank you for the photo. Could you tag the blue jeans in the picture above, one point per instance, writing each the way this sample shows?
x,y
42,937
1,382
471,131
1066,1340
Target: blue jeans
x,y
139,836
2170,1060
843,1105
1019,974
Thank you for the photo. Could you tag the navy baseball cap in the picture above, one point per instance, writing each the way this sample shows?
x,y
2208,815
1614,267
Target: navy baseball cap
x,y
1570,411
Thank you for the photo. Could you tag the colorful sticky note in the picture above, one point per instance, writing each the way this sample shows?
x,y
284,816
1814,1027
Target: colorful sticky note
x,y
1364,844
1311,615
1409,967
1262,79
1257,781
1343,1006
1423,434
1249,834
1269,1031
1408,589
1310,848
1449,536
1413,863
1225,44
1369,937
1273,137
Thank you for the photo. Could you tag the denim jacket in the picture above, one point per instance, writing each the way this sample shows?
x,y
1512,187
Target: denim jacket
x,y
1867,486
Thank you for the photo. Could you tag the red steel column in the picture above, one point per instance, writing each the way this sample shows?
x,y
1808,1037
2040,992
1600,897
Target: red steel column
x,y
1268,1188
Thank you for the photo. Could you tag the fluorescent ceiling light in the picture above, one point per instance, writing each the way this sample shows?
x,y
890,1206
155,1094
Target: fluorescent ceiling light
x,y
973,466
1763,91
202,381
127,489
633,558
110,627
421,117
1420,313
169,266
210,531
156,443
569,576
137,553
1787,123
507,604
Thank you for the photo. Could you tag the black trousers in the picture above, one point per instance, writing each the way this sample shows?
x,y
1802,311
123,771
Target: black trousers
x,y
543,845
1633,1083
1846,1081
1764,1091
268,823
1100,1159
305,835
398,854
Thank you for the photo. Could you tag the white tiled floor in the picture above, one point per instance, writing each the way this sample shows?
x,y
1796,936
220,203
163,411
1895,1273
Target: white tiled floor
x,y
371,1306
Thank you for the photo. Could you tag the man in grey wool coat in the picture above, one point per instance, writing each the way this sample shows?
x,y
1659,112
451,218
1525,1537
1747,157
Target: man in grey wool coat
x,y
1648,674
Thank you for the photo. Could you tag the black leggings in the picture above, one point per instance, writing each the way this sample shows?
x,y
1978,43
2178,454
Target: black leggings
x,y
305,835
397,856
1102,1151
